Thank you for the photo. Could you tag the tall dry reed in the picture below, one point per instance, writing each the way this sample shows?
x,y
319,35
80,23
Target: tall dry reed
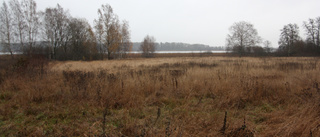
x,y
162,97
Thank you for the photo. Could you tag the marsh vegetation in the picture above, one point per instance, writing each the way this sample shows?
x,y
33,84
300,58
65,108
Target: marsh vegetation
x,y
199,96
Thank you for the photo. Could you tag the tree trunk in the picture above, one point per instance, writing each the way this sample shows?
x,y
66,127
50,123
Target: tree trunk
x,y
11,53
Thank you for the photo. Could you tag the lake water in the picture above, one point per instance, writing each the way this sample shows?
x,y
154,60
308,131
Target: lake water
x,y
204,51
136,52
8,53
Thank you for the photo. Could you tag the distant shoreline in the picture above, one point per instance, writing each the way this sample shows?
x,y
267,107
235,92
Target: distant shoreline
x,y
8,53
159,52
199,51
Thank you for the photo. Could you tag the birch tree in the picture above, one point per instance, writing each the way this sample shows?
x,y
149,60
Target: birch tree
x,y
148,46
6,28
108,30
19,23
99,33
55,22
32,23
126,43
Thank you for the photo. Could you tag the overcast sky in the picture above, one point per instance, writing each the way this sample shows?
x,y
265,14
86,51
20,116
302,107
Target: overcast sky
x,y
196,21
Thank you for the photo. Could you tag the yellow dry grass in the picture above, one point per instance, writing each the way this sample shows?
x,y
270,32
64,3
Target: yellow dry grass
x,y
185,96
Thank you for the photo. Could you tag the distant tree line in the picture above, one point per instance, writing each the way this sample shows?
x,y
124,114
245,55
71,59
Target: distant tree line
x,y
55,34
291,44
244,40
178,46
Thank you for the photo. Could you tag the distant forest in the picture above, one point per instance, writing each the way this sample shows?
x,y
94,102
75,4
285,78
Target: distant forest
x,y
162,46
178,46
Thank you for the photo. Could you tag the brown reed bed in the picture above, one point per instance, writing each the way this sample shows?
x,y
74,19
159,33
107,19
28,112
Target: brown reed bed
x,y
199,96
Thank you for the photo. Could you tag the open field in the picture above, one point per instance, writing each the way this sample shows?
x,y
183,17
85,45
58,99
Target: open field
x,y
182,96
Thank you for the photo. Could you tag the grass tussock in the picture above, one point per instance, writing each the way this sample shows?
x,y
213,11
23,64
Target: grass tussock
x,y
208,96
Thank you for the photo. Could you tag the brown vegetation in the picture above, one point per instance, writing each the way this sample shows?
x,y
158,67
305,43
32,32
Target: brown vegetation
x,y
208,96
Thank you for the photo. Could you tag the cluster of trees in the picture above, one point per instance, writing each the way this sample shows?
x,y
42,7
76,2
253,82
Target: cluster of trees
x,y
291,44
57,35
19,23
244,40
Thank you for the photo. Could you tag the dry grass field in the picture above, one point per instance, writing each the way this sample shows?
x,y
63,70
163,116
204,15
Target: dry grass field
x,y
182,96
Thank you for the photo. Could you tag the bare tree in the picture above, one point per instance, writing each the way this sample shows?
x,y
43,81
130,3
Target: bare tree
x,y
289,36
318,28
32,23
148,46
56,22
6,28
91,43
242,37
267,46
113,38
312,28
19,22
126,43
99,31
